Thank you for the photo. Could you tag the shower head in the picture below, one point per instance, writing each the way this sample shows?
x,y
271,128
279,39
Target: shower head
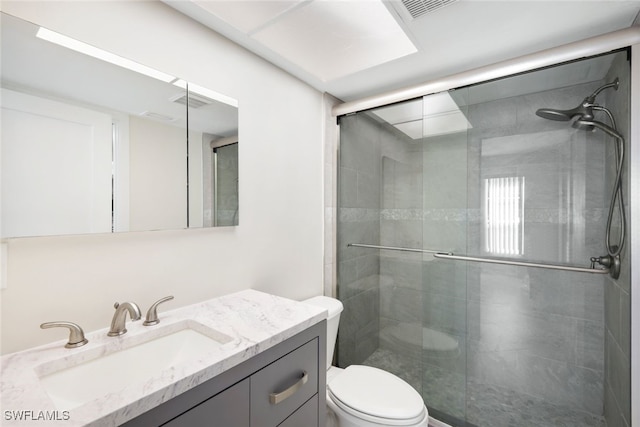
x,y
584,111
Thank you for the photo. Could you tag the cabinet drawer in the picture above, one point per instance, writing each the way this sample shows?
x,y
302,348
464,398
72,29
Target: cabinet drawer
x,y
225,409
280,388
305,416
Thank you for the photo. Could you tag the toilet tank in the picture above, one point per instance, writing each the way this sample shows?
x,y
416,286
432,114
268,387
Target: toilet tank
x,y
334,307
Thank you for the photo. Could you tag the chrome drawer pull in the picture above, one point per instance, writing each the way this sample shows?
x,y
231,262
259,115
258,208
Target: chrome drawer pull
x,y
276,398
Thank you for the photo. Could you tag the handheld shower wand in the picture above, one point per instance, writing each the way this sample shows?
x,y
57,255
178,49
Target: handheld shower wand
x,y
583,118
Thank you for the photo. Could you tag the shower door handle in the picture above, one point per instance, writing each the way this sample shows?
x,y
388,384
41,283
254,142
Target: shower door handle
x,y
522,264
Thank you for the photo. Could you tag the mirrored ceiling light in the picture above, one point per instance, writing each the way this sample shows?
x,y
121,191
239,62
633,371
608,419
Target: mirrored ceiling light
x,y
84,48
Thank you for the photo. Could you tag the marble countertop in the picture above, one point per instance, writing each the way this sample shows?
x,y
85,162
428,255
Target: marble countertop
x,y
255,321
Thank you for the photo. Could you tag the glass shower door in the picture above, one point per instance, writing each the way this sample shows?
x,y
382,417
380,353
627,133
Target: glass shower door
x,y
476,173
444,285
380,206
536,188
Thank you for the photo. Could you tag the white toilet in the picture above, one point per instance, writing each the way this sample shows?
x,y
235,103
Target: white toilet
x,y
363,396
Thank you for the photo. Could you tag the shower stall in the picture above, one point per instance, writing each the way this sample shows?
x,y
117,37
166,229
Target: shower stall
x,y
480,246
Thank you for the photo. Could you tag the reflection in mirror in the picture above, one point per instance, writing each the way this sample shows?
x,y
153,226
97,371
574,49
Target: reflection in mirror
x,y
93,147
225,181
209,122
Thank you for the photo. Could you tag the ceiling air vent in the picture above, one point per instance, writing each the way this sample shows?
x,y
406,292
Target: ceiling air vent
x,y
417,8
157,116
195,100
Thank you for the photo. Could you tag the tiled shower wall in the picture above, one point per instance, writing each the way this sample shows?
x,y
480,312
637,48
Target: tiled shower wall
x,y
617,404
228,186
444,305
401,272
227,209
358,222
380,203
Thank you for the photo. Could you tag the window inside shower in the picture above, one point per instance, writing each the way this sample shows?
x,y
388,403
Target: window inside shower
x,y
476,174
503,211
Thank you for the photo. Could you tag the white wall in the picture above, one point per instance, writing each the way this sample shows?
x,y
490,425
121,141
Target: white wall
x,y
69,161
278,246
157,180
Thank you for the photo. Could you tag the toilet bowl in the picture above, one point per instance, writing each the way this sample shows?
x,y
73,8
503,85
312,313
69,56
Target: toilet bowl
x,y
364,396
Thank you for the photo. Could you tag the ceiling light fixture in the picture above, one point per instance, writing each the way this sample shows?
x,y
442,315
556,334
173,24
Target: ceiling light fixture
x,y
332,39
78,46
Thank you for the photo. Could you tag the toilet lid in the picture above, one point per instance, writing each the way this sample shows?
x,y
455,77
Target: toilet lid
x,y
377,393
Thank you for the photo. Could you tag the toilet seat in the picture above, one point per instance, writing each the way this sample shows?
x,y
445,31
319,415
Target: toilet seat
x,y
376,396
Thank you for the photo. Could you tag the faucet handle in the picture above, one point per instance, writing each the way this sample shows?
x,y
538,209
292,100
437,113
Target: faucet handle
x,y
152,313
76,335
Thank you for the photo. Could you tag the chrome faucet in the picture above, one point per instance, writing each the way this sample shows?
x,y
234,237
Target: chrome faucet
x,y
120,317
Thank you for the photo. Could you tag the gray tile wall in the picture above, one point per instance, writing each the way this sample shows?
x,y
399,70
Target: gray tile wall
x,y
380,203
228,186
401,226
617,390
444,304
358,222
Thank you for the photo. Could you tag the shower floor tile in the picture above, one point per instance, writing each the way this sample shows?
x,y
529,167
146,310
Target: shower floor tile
x,y
402,366
486,405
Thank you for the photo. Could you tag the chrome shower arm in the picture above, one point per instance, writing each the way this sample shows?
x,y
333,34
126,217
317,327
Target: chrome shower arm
x,y
614,84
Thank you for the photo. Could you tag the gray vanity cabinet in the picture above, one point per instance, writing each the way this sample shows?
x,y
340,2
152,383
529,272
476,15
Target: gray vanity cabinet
x,y
302,416
227,408
280,387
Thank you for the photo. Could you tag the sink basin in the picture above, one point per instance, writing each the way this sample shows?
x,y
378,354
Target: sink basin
x,y
84,382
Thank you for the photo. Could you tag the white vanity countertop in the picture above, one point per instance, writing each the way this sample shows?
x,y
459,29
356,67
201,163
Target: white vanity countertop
x,y
255,321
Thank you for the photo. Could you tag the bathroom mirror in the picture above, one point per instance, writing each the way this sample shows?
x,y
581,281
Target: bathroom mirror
x,y
88,146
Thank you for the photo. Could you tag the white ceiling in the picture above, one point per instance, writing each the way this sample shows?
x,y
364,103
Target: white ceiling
x,y
328,44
